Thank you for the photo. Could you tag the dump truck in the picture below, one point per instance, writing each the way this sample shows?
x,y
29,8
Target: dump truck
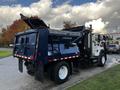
x,y
57,52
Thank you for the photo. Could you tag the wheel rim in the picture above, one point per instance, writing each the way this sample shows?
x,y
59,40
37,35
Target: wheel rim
x,y
63,72
103,60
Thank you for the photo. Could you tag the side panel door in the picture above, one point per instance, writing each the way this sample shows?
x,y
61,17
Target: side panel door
x,y
96,45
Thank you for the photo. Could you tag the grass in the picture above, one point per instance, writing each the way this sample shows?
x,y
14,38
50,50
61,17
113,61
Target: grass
x,y
5,53
107,80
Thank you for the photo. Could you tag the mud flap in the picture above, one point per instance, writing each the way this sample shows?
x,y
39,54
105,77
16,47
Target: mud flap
x,y
39,73
20,65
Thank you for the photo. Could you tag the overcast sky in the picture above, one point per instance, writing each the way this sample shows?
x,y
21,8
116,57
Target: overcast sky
x,y
104,15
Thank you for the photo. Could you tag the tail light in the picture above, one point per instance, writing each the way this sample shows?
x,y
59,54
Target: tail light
x,y
25,57
31,58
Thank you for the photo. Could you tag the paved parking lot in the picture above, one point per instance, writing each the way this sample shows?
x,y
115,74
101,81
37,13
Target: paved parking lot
x,y
12,79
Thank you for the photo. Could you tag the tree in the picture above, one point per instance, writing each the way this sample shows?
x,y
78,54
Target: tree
x,y
68,24
8,33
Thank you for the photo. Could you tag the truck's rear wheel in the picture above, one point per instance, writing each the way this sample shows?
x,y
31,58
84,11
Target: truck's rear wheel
x,y
30,72
61,72
39,72
102,59
30,68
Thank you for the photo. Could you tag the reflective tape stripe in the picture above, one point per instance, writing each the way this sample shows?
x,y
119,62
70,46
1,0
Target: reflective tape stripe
x,y
69,57
25,57
62,58
55,59
50,60
77,56
65,58
73,56
29,58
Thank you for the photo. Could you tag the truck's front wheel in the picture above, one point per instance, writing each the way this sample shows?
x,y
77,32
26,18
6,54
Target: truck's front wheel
x,y
102,59
61,72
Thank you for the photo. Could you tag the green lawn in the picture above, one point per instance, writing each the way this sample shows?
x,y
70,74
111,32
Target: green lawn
x,y
107,80
5,53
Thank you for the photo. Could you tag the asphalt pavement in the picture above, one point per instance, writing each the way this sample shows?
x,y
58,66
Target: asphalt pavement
x,y
12,79
5,49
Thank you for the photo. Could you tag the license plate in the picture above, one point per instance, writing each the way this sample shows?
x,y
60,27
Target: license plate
x,y
20,64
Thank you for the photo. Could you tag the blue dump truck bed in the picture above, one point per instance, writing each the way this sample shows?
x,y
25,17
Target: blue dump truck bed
x,y
26,45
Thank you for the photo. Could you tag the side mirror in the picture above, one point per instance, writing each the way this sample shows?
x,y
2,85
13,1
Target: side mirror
x,y
99,38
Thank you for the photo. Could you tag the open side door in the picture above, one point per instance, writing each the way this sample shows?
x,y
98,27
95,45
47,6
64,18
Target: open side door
x,y
33,22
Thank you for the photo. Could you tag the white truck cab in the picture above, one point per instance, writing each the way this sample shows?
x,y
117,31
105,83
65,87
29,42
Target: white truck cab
x,y
97,44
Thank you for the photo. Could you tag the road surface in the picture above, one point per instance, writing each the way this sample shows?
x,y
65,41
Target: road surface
x,y
1,49
12,79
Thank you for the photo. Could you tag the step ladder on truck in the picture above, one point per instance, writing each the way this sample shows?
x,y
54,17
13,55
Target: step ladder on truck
x,y
57,52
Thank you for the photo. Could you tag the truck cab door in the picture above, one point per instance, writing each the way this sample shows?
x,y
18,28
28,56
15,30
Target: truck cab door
x,y
96,45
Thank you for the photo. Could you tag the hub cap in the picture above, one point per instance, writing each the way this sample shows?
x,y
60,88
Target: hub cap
x,y
63,72
103,60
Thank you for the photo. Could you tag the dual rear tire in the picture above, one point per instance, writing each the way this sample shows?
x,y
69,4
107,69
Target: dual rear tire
x,y
30,68
60,72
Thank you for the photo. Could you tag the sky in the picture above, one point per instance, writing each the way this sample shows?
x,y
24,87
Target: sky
x,y
104,15
55,2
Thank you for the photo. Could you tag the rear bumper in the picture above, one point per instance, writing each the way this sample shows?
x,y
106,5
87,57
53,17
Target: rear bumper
x,y
23,57
38,69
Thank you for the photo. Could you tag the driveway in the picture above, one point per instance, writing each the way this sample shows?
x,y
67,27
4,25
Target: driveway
x,y
12,79
5,48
